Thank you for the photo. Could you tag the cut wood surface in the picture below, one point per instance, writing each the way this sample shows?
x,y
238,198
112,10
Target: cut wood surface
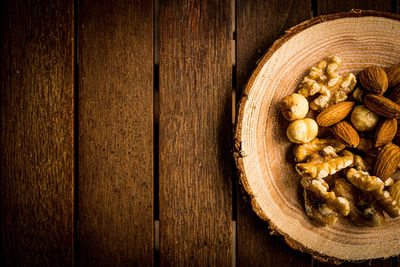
x,y
115,133
195,133
261,139
36,133
258,25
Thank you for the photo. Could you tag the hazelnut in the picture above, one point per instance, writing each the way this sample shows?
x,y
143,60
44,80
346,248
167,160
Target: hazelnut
x,y
302,131
294,107
363,119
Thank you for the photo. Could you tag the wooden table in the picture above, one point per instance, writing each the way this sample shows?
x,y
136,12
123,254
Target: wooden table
x,y
116,130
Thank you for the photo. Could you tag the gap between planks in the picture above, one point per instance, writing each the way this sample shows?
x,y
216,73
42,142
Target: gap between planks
x,y
156,116
76,249
234,176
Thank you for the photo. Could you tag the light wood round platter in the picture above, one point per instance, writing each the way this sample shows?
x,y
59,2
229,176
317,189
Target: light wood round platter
x,y
263,154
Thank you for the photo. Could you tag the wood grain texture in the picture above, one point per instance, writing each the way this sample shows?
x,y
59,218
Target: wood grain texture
x,y
195,133
256,246
397,6
259,24
36,133
116,133
331,6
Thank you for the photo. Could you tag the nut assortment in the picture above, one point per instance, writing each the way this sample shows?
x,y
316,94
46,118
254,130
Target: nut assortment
x,y
347,172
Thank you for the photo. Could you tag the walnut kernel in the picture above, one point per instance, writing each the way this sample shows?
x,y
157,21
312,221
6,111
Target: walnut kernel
x,y
323,79
311,205
303,151
319,187
394,190
329,167
374,186
364,181
363,211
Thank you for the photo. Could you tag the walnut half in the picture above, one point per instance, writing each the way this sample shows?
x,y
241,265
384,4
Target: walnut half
x,y
311,205
321,170
320,189
363,211
323,79
303,151
374,185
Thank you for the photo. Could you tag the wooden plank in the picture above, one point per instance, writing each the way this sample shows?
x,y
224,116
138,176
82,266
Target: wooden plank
x,y
116,133
36,133
195,133
397,6
331,6
259,24
257,247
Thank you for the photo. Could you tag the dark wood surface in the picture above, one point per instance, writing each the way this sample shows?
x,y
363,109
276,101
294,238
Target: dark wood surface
x,y
331,6
195,127
36,133
90,156
115,182
258,25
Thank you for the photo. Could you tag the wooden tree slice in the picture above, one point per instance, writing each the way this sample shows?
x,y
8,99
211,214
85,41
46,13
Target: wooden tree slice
x,y
263,154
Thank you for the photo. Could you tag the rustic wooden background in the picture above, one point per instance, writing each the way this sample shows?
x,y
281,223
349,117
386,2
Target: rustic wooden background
x,y
116,125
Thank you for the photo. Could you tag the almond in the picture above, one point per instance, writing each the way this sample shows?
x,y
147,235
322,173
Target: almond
x,y
374,79
382,106
334,114
387,161
346,133
385,132
393,75
395,95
